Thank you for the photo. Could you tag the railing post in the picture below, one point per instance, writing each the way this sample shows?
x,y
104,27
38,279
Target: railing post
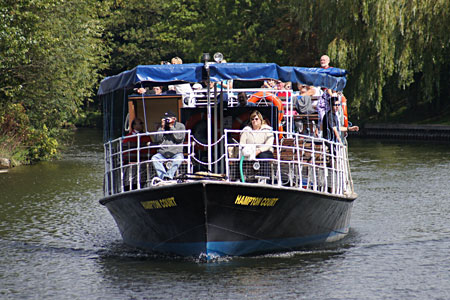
x,y
110,166
121,165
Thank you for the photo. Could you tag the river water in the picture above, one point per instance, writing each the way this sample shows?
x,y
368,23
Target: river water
x,y
58,242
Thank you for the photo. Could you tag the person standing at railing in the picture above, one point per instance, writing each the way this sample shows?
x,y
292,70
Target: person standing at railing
x,y
332,126
169,151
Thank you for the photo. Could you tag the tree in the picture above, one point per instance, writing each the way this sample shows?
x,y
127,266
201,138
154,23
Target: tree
x,y
147,32
51,51
385,45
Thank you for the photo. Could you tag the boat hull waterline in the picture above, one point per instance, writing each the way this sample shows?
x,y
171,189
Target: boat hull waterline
x,y
227,219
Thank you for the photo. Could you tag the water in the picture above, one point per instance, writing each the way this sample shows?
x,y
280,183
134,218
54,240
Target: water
x,y
57,242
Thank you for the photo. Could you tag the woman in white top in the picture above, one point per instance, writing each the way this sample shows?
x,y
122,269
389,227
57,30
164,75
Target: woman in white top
x,y
259,134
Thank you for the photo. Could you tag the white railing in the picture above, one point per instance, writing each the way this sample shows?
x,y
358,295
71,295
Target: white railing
x,y
128,164
300,161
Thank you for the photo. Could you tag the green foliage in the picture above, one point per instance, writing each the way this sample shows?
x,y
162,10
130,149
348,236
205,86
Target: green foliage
x,y
52,52
242,30
147,32
50,55
387,46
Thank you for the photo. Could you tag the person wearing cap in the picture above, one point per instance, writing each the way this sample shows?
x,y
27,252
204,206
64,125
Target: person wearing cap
x,y
168,146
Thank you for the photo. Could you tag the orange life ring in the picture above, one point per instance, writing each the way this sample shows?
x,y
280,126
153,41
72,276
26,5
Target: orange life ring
x,y
272,98
344,109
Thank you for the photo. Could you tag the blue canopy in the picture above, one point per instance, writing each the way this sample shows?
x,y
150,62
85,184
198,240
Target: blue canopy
x,y
332,78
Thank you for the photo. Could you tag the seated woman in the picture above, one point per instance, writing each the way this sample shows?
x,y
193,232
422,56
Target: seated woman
x,y
259,134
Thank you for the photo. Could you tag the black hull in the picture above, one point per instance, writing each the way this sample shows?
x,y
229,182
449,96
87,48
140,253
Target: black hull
x,y
216,219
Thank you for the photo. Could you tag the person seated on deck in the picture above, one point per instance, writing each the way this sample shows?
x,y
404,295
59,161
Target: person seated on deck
x,y
130,155
168,150
284,87
158,90
243,100
259,133
303,104
269,84
131,142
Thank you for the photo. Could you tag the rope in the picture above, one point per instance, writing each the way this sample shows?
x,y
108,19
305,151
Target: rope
x,y
206,145
205,163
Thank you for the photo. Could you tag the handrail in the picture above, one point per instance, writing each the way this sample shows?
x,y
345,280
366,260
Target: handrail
x,y
300,161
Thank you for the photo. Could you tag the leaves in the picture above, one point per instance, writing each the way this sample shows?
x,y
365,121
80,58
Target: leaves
x,y
50,54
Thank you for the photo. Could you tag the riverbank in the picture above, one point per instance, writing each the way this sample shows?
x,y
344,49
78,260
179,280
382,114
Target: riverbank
x,y
5,164
404,131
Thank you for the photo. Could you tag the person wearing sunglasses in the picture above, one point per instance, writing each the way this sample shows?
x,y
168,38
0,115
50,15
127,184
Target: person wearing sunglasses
x,y
260,134
331,124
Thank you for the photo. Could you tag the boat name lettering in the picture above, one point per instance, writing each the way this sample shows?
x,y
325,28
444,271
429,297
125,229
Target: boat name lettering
x,y
255,201
161,203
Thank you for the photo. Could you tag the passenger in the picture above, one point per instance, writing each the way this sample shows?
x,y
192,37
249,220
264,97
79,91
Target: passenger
x,y
344,129
131,141
306,90
243,100
304,105
259,133
197,86
331,128
169,152
158,90
323,105
141,90
136,127
183,88
269,84
325,62
283,86
130,157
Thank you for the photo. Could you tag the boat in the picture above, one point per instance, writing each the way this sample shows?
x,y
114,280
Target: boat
x,y
222,201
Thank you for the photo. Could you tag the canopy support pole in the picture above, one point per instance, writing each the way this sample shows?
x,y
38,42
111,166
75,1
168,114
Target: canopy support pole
x,y
208,113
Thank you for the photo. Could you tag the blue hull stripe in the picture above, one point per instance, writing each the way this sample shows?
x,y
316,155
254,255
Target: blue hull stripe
x,y
236,248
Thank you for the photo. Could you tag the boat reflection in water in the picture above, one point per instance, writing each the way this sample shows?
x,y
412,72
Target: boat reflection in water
x,y
222,200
